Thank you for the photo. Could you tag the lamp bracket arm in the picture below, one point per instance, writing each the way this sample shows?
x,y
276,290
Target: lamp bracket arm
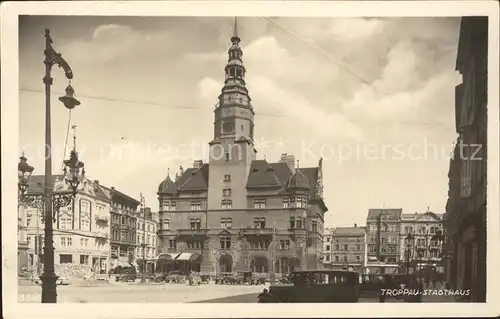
x,y
53,58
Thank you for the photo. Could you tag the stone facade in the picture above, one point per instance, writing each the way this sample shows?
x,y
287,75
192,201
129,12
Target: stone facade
x,y
383,246
81,231
147,226
424,247
348,247
327,247
123,219
236,213
465,218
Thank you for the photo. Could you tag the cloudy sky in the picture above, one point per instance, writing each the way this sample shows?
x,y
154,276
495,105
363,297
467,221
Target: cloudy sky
x,y
373,97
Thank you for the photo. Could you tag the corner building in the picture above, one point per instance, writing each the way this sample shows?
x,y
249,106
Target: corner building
x,y
237,213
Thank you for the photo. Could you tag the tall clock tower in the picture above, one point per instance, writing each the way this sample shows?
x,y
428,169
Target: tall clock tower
x,y
232,149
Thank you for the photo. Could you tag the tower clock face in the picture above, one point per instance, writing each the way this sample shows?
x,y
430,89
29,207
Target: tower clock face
x,y
228,126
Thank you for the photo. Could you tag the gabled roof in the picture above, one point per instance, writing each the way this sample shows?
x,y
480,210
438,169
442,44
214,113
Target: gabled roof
x,y
391,213
198,179
262,175
351,231
116,193
36,184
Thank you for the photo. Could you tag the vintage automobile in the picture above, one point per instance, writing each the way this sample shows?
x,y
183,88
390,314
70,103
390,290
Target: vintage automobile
x,y
372,285
314,286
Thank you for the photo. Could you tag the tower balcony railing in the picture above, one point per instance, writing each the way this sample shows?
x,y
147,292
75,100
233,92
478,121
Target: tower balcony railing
x,y
232,102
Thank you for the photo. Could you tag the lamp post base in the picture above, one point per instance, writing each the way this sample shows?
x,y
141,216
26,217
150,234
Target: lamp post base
x,y
49,288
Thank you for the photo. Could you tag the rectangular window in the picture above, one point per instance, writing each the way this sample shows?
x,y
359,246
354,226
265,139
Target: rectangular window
x,y
123,220
28,222
314,225
337,247
259,203
169,206
260,244
358,258
259,222
327,247
337,258
298,222
194,244
84,259
345,258
285,202
195,223
227,178
226,204
65,259
172,243
166,224
284,244
196,205
358,247
225,242
226,192
345,247
292,222
226,223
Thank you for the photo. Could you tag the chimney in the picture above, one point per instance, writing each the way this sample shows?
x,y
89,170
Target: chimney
x,y
197,164
288,160
97,182
112,187
355,225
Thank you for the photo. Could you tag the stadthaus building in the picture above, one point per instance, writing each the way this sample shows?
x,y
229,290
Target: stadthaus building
x,y
237,213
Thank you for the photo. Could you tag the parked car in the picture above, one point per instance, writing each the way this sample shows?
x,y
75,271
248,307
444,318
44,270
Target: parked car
x,y
314,286
125,274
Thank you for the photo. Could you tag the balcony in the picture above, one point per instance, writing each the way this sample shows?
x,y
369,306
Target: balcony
x,y
191,232
102,235
101,219
163,232
231,102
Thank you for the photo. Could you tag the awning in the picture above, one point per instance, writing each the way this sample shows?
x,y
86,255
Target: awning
x,y
123,264
167,256
189,256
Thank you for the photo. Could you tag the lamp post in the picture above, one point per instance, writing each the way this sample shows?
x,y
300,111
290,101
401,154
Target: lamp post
x,y
409,246
143,245
49,201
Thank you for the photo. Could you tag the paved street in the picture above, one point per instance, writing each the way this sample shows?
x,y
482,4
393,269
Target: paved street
x,y
138,293
170,293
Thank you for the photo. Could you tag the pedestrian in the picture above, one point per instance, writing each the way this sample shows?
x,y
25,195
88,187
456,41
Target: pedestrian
x,y
386,284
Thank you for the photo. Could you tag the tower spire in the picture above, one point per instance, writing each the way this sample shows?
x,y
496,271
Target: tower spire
x,y
235,38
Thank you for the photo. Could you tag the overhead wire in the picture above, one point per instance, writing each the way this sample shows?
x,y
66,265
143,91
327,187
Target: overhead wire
x,y
150,103
292,35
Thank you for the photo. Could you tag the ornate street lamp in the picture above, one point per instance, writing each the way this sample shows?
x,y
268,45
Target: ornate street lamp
x,y
24,171
409,247
48,201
